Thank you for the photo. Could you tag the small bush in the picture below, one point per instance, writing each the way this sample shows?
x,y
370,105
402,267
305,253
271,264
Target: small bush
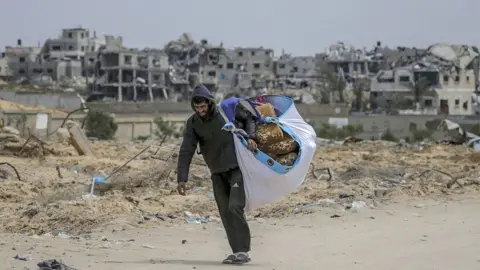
x,y
328,131
420,135
388,136
475,129
164,128
142,138
100,125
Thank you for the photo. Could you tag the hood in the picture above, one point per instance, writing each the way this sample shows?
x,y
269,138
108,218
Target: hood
x,y
202,91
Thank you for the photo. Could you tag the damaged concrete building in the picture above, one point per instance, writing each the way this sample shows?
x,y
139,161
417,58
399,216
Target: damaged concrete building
x,y
349,62
448,74
295,72
57,59
191,63
224,71
130,74
112,71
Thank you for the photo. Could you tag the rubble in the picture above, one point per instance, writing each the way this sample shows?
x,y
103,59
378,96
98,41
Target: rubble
x,y
11,106
457,135
12,144
346,177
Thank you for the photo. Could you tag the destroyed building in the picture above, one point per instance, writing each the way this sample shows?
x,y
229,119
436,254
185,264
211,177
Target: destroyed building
x,y
130,74
73,43
110,70
191,63
351,63
295,72
221,70
5,71
448,73
57,59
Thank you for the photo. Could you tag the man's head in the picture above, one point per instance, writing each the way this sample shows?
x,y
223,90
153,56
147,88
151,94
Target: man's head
x,y
203,101
201,106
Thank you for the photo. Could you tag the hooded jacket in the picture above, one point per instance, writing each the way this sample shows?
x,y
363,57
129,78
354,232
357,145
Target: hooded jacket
x,y
216,145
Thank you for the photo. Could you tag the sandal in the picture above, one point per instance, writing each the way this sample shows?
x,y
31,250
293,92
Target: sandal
x,y
230,259
241,258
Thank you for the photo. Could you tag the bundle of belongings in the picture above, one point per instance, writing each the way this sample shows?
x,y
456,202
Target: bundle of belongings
x,y
273,141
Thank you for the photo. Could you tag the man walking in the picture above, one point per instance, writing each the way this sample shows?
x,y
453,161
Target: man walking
x,y
218,150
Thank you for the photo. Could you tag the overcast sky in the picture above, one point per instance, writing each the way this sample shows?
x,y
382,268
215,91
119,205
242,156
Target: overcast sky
x,y
301,27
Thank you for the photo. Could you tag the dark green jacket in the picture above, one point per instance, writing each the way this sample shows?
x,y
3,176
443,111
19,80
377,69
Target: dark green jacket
x,y
216,145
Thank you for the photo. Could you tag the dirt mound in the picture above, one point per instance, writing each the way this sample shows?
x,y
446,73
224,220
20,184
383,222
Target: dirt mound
x,y
7,105
52,195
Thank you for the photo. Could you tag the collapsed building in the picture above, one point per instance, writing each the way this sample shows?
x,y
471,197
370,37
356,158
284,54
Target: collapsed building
x,y
295,71
109,70
58,61
351,63
129,74
441,79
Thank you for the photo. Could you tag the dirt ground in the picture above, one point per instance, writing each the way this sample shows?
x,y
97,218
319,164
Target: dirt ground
x,y
52,192
423,234
48,213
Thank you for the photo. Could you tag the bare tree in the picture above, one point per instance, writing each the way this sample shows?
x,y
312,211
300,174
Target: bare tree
x,y
329,82
420,87
359,88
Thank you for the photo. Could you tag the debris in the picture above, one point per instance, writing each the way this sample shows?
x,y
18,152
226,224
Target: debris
x,y
47,202
58,172
128,161
314,172
380,192
53,265
14,169
26,257
80,141
356,205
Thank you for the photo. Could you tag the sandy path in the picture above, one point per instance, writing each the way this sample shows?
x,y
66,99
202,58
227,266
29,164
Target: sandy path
x,y
428,235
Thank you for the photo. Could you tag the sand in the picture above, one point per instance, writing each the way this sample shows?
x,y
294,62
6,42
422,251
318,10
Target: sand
x,y
366,173
423,234
7,105
370,185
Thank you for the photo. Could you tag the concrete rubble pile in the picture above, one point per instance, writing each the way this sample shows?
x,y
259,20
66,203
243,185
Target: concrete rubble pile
x,y
445,57
457,135
185,57
11,143
343,176
9,140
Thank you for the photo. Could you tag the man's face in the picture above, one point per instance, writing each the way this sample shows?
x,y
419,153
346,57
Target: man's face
x,y
201,108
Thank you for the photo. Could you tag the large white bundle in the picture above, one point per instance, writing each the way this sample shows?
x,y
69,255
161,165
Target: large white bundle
x,y
266,180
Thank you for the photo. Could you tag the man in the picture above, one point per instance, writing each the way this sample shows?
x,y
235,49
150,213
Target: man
x,y
218,150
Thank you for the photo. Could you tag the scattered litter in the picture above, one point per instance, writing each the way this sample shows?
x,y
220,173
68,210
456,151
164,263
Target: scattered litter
x,y
105,245
147,246
63,235
195,218
54,265
356,205
26,257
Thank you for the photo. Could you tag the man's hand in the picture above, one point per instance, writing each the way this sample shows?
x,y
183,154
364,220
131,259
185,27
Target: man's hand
x,y
181,188
252,145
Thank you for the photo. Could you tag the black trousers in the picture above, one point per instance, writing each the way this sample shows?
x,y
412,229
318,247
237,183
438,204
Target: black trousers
x,y
230,197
